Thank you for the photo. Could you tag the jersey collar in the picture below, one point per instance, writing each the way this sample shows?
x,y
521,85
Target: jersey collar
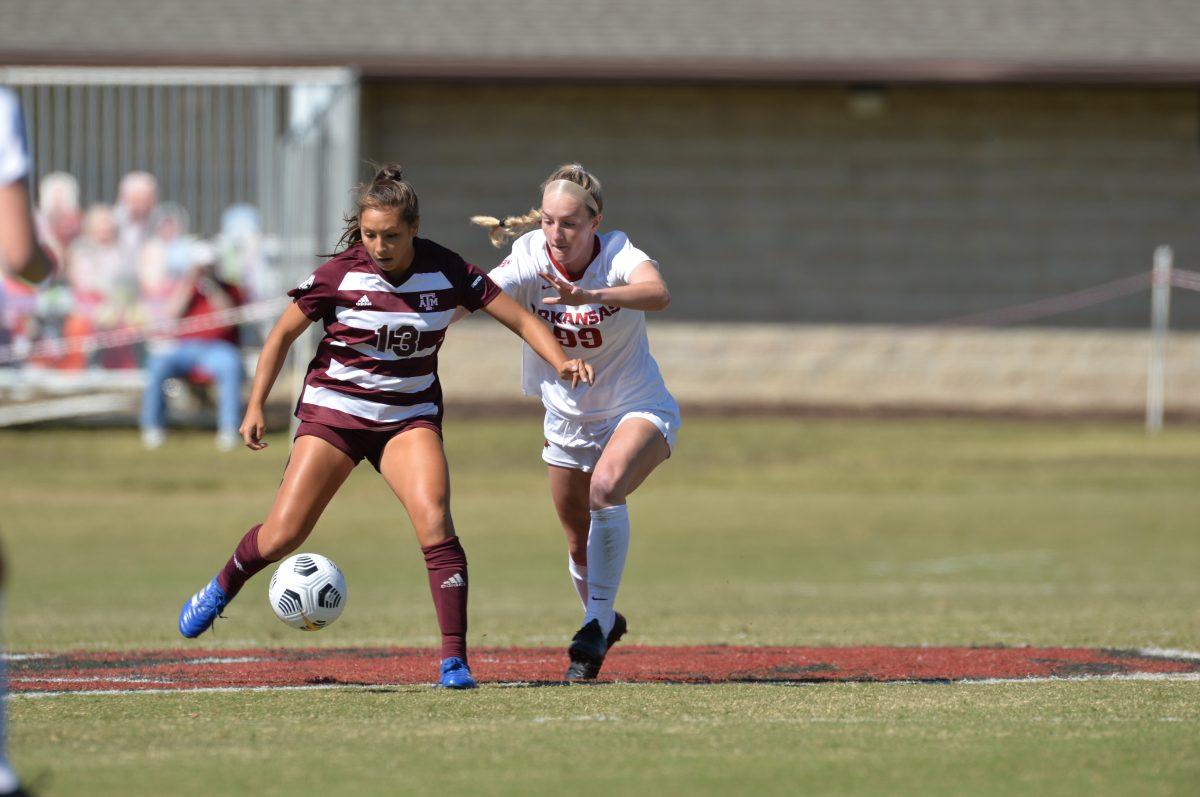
x,y
596,247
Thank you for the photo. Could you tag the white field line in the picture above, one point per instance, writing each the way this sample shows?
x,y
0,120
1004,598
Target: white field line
x,y
1132,676
109,679
1169,653
206,689
1141,676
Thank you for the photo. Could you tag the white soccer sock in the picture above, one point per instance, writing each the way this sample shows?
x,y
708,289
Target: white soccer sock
x,y
608,543
579,579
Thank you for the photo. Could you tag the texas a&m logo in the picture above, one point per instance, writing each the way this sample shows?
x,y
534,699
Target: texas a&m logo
x,y
403,341
427,302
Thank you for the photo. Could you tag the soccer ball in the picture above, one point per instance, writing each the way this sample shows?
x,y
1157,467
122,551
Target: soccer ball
x,y
307,591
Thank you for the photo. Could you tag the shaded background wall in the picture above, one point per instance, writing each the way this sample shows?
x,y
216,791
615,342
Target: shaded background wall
x,y
828,204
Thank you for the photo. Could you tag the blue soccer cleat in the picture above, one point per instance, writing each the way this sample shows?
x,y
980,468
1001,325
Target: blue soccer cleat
x,y
456,674
202,610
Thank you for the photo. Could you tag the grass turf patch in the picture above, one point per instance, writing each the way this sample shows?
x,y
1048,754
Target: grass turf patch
x,y
1044,738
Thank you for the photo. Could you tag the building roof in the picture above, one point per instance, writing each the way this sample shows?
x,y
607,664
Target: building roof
x,y
808,40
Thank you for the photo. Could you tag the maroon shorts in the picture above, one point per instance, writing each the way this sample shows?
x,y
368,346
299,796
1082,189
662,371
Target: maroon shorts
x,y
360,444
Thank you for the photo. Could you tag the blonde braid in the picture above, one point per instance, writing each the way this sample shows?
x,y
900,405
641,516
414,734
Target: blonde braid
x,y
500,232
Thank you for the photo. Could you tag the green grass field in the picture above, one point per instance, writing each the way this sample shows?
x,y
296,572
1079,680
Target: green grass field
x,y
758,532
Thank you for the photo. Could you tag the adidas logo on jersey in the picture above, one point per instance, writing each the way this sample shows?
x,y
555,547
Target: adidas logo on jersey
x,y
363,302
455,580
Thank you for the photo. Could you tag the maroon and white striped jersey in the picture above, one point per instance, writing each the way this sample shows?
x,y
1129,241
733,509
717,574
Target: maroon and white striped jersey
x,y
376,367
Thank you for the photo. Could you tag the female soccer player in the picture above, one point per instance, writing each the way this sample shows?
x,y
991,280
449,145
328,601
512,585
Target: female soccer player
x,y
602,440
372,392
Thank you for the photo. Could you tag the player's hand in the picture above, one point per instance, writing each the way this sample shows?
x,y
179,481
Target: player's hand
x,y
253,428
577,371
568,293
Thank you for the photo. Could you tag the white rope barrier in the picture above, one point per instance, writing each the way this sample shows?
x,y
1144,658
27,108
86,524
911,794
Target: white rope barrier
x,y
59,347
1055,305
270,308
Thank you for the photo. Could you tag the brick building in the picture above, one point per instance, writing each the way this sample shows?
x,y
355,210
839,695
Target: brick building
x,y
829,161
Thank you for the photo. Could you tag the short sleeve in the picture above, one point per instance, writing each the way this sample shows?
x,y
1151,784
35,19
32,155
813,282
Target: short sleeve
x,y
478,289
628,258
14,157
315,294
508,275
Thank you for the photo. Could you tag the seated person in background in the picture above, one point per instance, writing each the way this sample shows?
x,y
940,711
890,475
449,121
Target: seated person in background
x,y
212,352
103,288
59,216
163,261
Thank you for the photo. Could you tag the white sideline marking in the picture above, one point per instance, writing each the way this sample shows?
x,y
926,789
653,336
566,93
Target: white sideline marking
x,y
23,656
1137,676
114,679
1131,676
223,660
1169,653
210,689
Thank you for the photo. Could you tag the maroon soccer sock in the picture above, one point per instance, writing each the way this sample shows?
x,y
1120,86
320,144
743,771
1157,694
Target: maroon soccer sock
x,y
447,565
245,562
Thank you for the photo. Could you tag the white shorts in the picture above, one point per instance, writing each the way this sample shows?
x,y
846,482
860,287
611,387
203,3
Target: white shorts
x,y
579,445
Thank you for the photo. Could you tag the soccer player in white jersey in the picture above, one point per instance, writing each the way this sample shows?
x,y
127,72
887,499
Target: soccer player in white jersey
x,y
372,392
593,290
22,256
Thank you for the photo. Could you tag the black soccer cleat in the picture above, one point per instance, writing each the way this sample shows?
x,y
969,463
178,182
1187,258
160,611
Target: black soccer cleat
x,y
587,652
618,630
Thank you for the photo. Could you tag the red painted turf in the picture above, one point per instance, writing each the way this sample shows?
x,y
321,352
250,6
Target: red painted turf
x,y
197,669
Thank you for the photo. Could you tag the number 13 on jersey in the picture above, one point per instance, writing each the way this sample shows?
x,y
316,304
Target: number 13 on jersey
x,y
404,341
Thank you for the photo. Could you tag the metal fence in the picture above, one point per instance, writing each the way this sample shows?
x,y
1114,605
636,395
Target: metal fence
x,y
284,140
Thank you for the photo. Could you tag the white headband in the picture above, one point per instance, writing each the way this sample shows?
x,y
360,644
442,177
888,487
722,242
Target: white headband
x,y
575,190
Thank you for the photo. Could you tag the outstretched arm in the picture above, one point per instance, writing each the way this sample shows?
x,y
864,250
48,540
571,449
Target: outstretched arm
x,y
19,247
646,291
505,310
274,351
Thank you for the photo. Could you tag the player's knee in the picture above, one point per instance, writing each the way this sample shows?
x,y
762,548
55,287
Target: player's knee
x,y
606,490
432,523
277,540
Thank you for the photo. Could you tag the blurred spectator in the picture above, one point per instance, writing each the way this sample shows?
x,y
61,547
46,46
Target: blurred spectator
x,y
244,251
59,216
41,312
163,261
213,353
137,201
103,286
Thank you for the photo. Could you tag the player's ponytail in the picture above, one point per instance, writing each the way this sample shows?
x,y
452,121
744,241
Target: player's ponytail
x,y
511,227
388,190
501,231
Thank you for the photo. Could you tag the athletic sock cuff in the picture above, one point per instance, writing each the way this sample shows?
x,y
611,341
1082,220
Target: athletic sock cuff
x,y
611,512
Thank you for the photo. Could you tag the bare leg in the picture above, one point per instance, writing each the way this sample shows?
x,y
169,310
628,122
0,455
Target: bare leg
x,y
569,491
634,451
414,466
314,474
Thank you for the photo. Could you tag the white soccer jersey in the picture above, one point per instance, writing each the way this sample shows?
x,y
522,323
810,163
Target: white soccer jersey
x,y
612,339
14,158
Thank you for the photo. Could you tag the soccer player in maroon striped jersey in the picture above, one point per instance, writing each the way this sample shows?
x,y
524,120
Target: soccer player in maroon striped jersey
x,y
372,392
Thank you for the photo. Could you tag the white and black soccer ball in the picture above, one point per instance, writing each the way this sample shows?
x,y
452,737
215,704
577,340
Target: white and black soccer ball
x,y
307,591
